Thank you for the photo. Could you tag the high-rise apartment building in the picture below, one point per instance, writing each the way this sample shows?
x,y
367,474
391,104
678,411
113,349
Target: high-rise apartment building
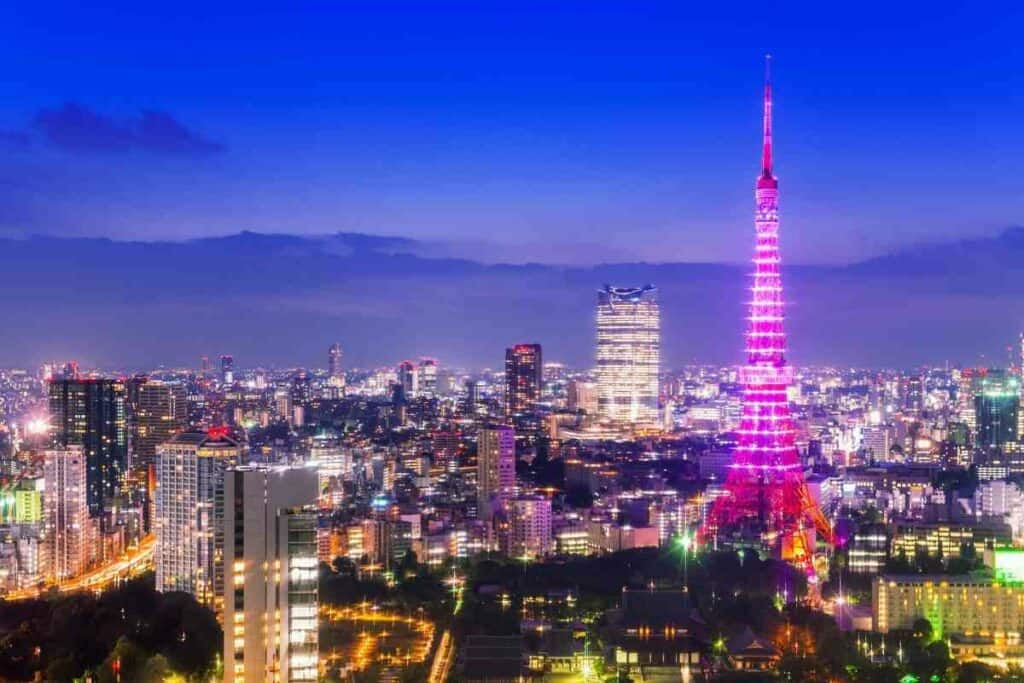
x,y
269,583
996,408
628,354
496,468
529,534
524,368
157,411
91,413
190,471
66,521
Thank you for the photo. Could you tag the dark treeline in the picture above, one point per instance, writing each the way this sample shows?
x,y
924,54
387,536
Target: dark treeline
x,y
150,634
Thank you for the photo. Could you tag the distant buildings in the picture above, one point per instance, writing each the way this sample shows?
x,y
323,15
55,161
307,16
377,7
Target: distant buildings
x,y
945,540
269,581
334,355
869,549
227,370
496,468
628,354
582,396
996,407
426,376
190,471
408,379
90,413
523,377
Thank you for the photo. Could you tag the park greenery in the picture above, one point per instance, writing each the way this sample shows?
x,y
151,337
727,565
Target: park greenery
x,y
131,629
150,636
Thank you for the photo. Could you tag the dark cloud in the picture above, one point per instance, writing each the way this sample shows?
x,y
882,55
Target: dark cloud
x,y
76,128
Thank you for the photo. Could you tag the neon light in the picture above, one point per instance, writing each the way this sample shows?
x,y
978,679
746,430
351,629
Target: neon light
x,y
765,489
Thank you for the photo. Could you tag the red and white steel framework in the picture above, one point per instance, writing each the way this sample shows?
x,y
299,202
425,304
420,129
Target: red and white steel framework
x,y
766,498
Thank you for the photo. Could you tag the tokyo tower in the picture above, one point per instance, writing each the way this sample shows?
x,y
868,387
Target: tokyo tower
x,y
766,501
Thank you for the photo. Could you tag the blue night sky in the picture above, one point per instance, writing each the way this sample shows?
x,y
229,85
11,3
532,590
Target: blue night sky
x,y
512,131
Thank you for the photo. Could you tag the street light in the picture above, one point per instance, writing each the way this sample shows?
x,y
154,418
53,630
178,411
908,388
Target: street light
x,y
685,543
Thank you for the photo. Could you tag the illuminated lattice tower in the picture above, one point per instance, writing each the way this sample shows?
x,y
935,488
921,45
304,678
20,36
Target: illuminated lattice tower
x,y
766,500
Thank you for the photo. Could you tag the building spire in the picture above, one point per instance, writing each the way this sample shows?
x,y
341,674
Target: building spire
x,y
766,152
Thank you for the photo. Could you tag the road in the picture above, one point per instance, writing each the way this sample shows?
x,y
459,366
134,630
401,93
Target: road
x,y
443,659
132,563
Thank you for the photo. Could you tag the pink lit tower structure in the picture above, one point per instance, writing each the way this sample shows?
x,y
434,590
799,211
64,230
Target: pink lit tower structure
x,y
766,502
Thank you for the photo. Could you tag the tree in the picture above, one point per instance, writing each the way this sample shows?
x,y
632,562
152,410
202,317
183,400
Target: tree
x,y
976,672
922,629
408,565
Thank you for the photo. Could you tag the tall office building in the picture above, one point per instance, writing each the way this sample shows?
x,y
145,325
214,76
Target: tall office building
x,y
496,468
335,373
996,408
269,583
426,377
628,354
407,378
913,394
91,413
227,369
523,377
157,411
334,355
66,522
529,520
582,395
190,471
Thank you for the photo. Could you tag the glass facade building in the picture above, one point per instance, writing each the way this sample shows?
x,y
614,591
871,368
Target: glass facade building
x,y
90,413
628,354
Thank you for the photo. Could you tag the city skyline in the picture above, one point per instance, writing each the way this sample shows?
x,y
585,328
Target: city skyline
x,y
283,462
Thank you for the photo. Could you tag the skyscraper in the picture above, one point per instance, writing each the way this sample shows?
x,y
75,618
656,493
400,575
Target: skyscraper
x,y
334,361
496,468
66,522
524,368
190,471
996,409
335,373
91,413
269,582
157,411
407,378
426,377
227,369
628,354
766,500
913,394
